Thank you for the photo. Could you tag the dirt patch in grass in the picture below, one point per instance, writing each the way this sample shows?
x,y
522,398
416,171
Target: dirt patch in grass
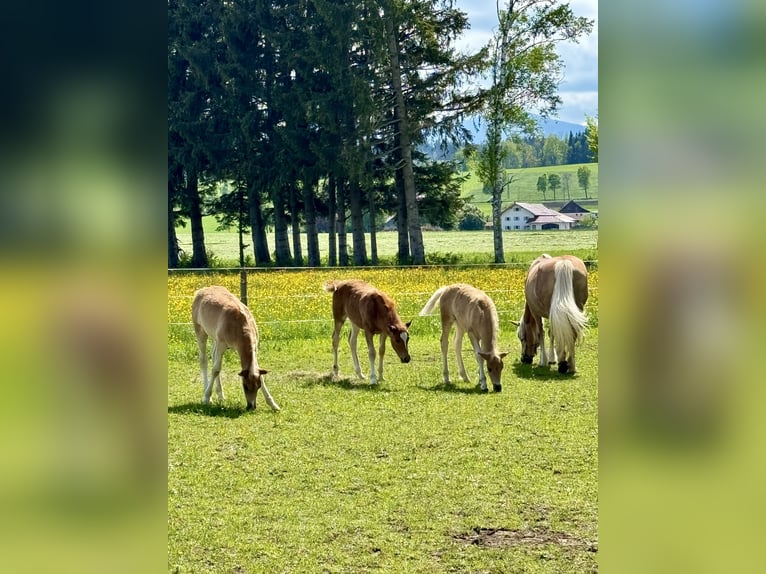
x,y
505,538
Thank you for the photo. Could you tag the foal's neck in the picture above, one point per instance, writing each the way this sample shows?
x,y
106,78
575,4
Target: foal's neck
x,y
247,354
490,329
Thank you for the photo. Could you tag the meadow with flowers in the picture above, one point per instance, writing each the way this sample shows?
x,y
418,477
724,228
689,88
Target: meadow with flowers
x,y
407,476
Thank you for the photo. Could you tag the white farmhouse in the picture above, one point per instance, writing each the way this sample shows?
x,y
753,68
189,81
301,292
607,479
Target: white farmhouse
x,y
533,216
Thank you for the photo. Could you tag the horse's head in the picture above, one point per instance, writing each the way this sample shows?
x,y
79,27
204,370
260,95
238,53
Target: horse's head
x,y
252,379
400,339
494,367
527,334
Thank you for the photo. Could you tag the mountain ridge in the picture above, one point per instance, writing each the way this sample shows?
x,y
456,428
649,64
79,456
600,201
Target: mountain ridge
x,y
547,126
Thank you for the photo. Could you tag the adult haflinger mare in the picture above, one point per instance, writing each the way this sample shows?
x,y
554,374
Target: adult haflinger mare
x,y
473,312
556,288
218,313
372,311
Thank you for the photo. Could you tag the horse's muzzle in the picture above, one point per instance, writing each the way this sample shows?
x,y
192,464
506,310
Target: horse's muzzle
x,y
526,359
406,359
250,407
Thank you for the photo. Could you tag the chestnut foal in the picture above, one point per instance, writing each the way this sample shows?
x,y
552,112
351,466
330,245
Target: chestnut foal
x,y
373,312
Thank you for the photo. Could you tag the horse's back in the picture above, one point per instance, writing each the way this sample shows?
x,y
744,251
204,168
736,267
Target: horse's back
x,y
467,304
363,304
221,314
541,277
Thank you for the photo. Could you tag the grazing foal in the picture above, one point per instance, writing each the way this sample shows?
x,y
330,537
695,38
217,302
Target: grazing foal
x,y
472,312
218,313
372,311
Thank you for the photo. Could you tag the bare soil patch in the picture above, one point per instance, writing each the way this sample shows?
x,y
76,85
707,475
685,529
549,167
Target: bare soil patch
x,y
504,538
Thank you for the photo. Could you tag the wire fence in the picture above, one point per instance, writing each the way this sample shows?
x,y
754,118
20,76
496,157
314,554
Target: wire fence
x,y
290,302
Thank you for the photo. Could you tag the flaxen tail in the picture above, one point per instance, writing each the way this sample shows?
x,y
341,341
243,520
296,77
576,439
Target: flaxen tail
x,y
432,302
567,322
331,286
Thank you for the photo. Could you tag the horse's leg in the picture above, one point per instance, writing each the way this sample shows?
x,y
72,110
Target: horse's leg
x,y
335,342
552,354
571,361
545,354
564,359
352,345
446,327
459,353
381,353
479,361
371,354
217,380
218,350
202,347
267,396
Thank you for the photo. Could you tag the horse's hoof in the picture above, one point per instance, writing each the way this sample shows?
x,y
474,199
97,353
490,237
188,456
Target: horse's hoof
x,y
563,367
484,390
497,388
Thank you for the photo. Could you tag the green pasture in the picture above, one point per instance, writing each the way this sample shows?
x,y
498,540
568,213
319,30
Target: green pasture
x,y
524,187
441,247
408,476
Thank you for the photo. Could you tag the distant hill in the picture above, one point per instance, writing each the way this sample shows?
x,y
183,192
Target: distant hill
x,y
478,128
547,127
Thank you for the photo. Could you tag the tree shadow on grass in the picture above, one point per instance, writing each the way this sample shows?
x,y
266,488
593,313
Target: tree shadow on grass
x,y
548,373
211,410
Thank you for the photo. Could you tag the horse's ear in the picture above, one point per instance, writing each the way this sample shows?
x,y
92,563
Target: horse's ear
x,y
517,323
502,355
243,373
262,371
485,356
408,324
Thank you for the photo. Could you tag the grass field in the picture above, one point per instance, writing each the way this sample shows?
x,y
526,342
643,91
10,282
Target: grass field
x,y
440,246
408,476
524,187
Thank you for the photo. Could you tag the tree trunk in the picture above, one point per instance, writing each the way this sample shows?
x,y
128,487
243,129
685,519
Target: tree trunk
x,y
281,238
413,218
373,236
257,227
312,240
172,238
332,254
295,223
357,223
403,251
494,160
194,205
497,223
342,239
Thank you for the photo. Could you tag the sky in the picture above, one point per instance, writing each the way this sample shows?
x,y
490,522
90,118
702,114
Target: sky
x,y
579,87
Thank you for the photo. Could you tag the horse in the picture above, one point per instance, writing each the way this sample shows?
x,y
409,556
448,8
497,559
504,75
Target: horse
x,y
218,313
556,288
373,312
473,312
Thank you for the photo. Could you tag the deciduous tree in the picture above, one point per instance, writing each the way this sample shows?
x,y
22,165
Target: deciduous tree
x,y
525,71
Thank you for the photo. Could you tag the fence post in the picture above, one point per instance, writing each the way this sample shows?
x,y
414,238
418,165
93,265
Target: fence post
x,y
243,285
